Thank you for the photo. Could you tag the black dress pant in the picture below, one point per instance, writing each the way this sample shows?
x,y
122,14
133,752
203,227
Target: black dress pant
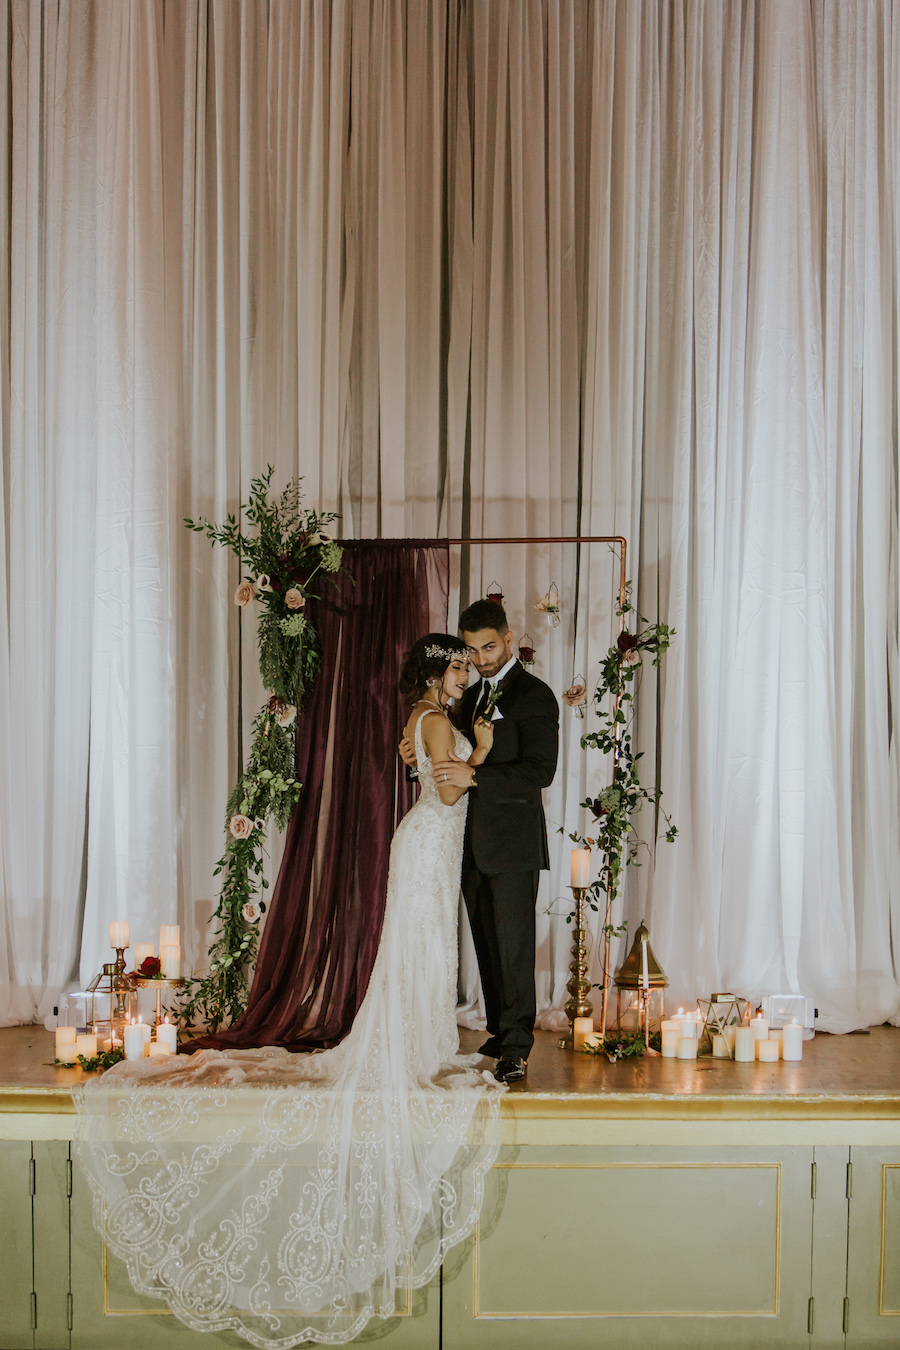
x,y
501,915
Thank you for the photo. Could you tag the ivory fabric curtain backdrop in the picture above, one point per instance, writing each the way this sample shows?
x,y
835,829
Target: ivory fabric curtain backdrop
x,y
471,267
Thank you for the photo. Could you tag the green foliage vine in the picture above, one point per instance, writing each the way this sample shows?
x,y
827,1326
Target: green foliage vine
x,y
281,548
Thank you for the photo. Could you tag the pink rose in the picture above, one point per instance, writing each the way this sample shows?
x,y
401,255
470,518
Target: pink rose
x,y
294,599
240,827
251,912
633,657
244,594
574,695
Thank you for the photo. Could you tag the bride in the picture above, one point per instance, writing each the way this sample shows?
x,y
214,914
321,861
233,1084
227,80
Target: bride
x,y
297,1213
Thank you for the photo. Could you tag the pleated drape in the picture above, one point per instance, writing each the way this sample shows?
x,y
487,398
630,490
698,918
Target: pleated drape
x,y
470,267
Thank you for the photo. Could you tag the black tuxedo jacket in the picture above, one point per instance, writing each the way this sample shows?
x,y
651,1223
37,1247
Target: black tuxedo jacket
x,y
505,826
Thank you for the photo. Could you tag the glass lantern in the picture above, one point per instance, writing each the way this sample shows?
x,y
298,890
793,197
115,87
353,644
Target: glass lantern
x,y
628,982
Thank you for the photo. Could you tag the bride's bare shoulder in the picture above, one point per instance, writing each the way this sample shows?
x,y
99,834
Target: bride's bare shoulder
x,y
439,719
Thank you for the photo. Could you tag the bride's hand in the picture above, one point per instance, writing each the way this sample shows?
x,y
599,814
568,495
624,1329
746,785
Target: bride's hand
x,y
484,734
407,753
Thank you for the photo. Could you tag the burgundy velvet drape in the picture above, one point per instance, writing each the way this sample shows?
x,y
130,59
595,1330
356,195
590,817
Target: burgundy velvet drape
x,y
327,908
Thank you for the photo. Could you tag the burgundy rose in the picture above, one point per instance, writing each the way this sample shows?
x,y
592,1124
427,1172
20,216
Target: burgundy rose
x,y
627,642
150,966
597,808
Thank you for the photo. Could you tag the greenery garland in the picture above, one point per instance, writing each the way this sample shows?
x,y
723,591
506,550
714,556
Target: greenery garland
x,y
614,806
279,561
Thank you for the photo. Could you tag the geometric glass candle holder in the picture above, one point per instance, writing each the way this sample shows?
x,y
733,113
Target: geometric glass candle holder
x,y
720,1011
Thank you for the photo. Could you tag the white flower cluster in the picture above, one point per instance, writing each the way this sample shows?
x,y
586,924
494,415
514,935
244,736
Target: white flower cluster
x,y
331,556
293,625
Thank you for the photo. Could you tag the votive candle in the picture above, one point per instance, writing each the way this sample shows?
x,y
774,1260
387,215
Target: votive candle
x,y
170,961
792,1041
581,868
582,1028
118,933
720,1048
167,1034
86,1045
134,1041
686,1047
65,1044
670,1039
744,1045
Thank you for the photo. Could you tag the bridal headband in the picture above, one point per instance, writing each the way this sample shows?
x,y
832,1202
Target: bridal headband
x,y
447,652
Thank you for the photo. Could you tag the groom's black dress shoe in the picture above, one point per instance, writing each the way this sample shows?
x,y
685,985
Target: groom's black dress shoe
x,y
509,1069
491,1048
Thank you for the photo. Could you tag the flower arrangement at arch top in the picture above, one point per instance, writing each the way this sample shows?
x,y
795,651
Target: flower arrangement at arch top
x,y
282,548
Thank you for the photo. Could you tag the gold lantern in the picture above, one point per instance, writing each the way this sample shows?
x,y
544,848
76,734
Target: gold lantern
x,y
639,1007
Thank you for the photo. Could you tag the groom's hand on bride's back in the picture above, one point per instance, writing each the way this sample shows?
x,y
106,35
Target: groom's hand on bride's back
x,y
407,753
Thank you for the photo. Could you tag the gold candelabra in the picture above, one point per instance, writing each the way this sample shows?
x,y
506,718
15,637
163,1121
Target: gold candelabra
x,y
578,984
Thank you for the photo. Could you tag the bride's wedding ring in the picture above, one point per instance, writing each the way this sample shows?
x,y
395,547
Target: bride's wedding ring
x,y
445,778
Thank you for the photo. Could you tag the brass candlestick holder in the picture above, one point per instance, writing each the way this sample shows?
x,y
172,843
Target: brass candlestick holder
x,y
578,984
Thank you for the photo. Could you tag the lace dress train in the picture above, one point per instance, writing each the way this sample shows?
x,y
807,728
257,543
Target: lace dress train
x,y
290,1197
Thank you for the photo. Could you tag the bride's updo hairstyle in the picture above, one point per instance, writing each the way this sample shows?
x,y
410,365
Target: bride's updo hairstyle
x,y
426,660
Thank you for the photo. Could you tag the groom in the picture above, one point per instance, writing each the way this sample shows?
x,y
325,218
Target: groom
x,y
506,835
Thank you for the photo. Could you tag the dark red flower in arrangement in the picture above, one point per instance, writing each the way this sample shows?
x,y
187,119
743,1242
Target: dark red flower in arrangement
x,y
597,808
150,966
627,642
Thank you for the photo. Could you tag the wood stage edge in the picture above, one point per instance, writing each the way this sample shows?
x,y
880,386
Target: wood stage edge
x,y
845,1090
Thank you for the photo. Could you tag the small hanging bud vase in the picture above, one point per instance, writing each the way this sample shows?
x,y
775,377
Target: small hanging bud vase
x,y
495,593
575,696
550,605
526,650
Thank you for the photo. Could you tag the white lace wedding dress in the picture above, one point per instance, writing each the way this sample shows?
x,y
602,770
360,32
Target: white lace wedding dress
x,y
290,1197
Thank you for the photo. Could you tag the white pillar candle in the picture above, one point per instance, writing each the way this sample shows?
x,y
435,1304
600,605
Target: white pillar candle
x,y
167,1034
86,1045
670,1024
65,1044
645,969
775,1035
170,960
768,1051
159,1048
170,935
792,1041
686,1047
581,868
118,933
760,1028
134,1041
720,1048
145,1030
744,1045
581,1029
670,1041
141,951
690,1027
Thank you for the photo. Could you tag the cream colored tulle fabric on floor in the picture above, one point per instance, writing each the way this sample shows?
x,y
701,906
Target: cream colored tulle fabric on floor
x,y
289,1197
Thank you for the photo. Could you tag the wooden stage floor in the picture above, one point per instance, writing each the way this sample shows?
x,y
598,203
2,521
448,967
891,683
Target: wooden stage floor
x,y
855,1076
